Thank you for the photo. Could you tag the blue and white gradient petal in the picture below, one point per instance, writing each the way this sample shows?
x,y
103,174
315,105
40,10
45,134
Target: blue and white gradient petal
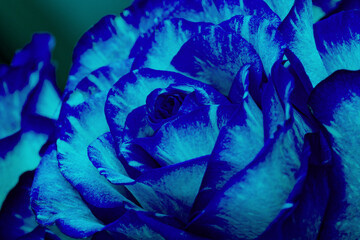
x,y
335,103
29,104
339,46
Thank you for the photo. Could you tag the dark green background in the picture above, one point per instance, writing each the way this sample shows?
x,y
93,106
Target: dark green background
x,y
67,20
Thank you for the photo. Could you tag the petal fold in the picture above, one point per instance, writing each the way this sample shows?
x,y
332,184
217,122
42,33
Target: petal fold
x,y
339,46
335,103
215,56
54,200
172,189
298,33
255,196
190,136
103,156
77,128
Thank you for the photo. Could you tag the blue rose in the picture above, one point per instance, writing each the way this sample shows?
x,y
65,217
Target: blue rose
x,y
29,107
184,120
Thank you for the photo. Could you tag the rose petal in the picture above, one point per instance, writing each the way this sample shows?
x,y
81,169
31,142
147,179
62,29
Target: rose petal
x,y
136,125
335,103
190,136
298,33
54,200
261,33
281,8
323,8
107,41
310,198
215,56
20,79
158,49
141,225
18,154
131,91
172,189
79,127
231,8
100,80
113,37
253,198
281,76
16,217
339,46
237,145
103,156
45,100
135,159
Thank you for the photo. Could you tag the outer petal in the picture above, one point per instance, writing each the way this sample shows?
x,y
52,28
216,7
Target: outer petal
x,y
255,196
109,40
231,8
79,127
298,33
113,37
339,46
18,154
335,103
141,225
29,103
45,99
190,136
158,50
215,56
100,80
54,200
16,217
20,79
310,198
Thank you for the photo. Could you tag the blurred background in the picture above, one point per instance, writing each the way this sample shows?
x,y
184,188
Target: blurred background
x,y
66,20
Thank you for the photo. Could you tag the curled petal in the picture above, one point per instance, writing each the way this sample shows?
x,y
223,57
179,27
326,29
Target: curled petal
x,y
102,155
131,91
297,29
339,46
29,68
79,127
16,218
335,103
261,33
190,136
142,225
113,37
158,50
172,189
255,196
18,154
215,56
238,143
54,200
281,8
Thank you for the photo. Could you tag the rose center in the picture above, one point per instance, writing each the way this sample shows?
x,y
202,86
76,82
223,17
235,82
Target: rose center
x,y
168,105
